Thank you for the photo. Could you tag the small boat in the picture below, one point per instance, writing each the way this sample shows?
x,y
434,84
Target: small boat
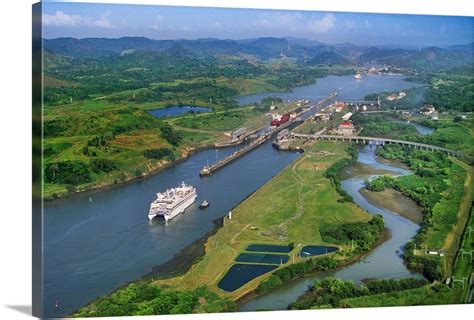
x,y
204,205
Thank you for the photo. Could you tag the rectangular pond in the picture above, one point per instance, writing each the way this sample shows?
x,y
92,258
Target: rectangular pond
x,y
310,251
263,258
239,274
268,248
177,110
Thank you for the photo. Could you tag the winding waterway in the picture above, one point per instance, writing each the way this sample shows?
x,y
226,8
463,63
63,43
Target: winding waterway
x,y
383,262
92,246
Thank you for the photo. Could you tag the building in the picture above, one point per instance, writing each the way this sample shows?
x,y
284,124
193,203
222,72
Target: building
x,y
346,129
347,116
396,96
428,109
322,117
338,106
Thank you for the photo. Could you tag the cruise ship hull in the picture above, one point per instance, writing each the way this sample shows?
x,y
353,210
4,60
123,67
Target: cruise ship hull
x,y
168,215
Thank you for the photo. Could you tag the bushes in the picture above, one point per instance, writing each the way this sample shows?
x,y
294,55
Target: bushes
x,y
103,165
159,154
101,141
332,173
380,183
76,172
331,292
430,266
148,299
376,286
294,271
363,235
67,172
172,136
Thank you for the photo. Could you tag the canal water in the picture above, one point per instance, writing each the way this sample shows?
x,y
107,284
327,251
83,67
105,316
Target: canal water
x,y
93,247
384,262
423,130
347,87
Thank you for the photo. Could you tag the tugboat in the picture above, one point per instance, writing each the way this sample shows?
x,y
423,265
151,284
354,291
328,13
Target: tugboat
x,y
204,205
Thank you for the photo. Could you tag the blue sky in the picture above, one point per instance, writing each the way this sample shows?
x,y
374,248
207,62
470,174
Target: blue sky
x,y
161,22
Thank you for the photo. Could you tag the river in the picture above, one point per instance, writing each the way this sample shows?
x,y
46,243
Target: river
x,y
347,87
93,247
423,130
384,262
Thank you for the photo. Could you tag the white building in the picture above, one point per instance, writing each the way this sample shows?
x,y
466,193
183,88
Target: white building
x,y
347,116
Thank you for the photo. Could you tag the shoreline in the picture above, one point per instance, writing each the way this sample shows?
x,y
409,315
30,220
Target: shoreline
x,y
388,200
100,188
199,245
197,248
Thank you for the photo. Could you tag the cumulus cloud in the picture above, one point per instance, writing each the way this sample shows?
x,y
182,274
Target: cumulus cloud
x,y
296,22
322,25
61,19
103,22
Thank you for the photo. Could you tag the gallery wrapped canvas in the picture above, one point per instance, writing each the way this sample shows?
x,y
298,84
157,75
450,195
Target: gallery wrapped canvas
x,y
205,160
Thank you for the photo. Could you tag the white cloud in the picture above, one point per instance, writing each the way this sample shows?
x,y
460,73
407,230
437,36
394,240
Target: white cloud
x,y
322,25
103,22
61,19
296,22
186,29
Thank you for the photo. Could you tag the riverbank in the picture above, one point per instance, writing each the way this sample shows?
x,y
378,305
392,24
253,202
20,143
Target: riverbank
x,y
395,202
132,179
197,132
443,187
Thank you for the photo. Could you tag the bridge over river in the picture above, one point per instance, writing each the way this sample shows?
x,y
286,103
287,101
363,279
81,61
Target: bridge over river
x,y
376,140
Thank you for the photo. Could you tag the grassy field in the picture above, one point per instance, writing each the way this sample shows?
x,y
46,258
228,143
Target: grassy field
x,y
127,132
232,119
289,208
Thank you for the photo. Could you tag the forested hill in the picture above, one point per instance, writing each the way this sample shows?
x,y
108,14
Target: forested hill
x,y
427,59
306,52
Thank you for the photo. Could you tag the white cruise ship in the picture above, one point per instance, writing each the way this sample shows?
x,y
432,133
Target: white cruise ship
x,y
172,202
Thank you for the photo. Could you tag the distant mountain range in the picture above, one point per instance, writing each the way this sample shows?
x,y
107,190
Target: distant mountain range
x,y
305,51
